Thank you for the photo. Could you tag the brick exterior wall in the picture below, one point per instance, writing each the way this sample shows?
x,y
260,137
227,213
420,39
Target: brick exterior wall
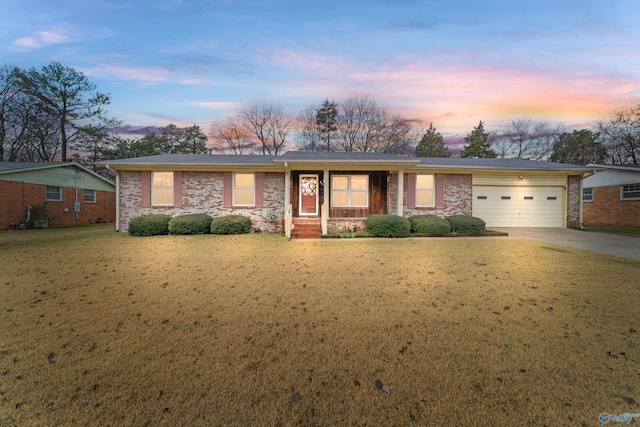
x,y
458,195
15,196
203,192
607,208
574,197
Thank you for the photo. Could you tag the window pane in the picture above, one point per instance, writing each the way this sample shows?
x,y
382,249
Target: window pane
x,y
89,196
163,179
424,198
359,198
163,196
244,180
340,198
243,197
53,193
359,182
340,182
424,181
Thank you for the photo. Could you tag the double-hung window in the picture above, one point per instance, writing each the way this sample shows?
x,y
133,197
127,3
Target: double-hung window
x,y
630,192
587,194
425,191
89,196
244,189
53,194
162,188
350,191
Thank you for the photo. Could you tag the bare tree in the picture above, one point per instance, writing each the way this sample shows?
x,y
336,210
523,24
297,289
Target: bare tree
x,y
270,125
525,139
365,126
231,135
621,133
310,135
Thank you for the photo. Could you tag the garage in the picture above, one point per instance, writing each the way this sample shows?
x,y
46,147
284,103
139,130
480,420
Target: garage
x,y
519,206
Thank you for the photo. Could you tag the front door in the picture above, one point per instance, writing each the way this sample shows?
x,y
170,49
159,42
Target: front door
x,y
309,195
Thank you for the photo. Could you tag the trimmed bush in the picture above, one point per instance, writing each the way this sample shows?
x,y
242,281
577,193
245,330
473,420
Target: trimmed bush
x,y
463,224
231,224
150,225
430,224
190,224
387,226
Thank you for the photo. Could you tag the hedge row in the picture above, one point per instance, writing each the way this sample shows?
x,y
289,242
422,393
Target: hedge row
x,y
396,226
159,224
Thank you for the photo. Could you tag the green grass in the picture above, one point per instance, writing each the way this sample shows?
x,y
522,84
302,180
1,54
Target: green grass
x,y
100,328
614,229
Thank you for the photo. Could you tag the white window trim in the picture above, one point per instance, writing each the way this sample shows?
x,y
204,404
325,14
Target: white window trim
x,y
349,191
587,200
153,190
46,193
622,192
84,196
252,188
432,189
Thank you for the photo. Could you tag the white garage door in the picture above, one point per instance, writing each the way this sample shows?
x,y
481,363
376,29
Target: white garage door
x,y
519,206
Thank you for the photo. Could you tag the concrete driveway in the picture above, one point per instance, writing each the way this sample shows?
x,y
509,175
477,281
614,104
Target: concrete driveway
x,y
622,246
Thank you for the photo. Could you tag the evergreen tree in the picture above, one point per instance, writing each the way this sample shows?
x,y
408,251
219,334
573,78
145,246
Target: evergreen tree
x,y
477,144
432,144
326,119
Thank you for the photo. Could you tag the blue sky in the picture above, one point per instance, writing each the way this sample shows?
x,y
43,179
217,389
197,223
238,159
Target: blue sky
x,y
449,62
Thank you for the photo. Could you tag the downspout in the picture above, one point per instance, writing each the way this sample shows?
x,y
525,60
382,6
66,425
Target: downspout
x,y
75,205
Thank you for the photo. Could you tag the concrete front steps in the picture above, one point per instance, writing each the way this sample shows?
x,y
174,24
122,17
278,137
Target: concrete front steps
x,y
306,228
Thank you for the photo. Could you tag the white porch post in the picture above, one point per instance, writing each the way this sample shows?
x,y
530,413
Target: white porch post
x,y
117,201
324,209
288,215
399,208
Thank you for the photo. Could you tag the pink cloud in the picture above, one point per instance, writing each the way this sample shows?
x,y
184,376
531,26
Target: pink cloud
x,y
147,76
217,105
42,38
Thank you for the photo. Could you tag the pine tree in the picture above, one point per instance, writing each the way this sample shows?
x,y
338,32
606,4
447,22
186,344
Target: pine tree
x,y
432,144
477,144
326,119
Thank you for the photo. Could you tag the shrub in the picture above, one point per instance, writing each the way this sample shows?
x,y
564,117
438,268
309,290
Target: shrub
x,y
463,224
190,224
387,226
231,224
430,224
149,225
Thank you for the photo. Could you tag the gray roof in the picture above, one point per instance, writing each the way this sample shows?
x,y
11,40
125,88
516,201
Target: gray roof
x,y
498,164
341,156
18,166
186,160
632,168
195,159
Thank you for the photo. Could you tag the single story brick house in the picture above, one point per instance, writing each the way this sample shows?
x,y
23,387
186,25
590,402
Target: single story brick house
x,y
313,193
611,195
74,195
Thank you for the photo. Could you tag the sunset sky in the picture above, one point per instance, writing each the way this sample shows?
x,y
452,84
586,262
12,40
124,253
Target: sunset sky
x,y
449,62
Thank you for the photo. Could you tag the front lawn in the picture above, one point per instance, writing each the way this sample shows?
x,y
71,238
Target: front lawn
x,y
100,328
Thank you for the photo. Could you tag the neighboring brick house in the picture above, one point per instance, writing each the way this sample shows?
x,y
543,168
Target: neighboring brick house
x,y
611,195
73,194
305,193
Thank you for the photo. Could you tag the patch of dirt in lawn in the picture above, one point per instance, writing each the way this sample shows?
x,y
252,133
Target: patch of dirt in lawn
x,y
100,328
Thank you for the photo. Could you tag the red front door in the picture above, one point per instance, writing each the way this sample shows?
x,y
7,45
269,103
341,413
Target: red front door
x,y
309,195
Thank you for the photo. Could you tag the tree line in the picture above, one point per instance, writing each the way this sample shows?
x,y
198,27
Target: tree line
x,y
56,113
